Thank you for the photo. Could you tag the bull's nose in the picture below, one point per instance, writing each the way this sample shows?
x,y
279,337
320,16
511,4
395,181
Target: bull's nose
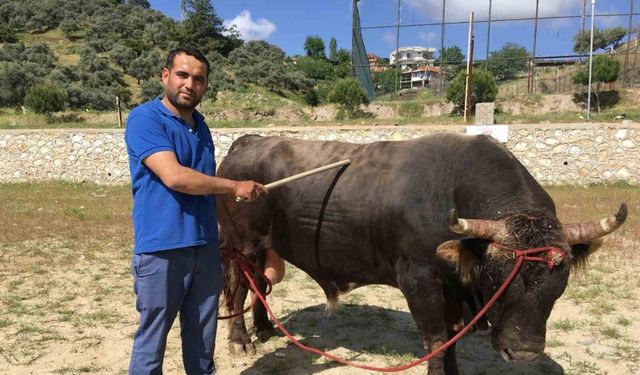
x,y
518,355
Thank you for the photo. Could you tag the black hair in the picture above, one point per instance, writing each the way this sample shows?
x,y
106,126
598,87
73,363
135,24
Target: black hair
x,y
187,51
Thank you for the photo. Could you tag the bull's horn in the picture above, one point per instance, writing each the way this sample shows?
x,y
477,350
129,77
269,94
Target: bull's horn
x,y
585,232
486,229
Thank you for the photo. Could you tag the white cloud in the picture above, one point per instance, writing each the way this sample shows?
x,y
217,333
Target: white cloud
x,y
389,38
458,10
250,29
427,37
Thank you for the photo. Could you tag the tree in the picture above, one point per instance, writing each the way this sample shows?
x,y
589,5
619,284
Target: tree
x,y
508,62
262,63
203,29
7,35
46,98
452,59
605,69
349,94
343,56
333,49
151,89
140,3
314,47
484,89
385,81
14,82
318,69
122,56
145,66
601,39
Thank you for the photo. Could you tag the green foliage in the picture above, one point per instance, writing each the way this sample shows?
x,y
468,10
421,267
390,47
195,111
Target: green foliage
x,y
508,62
203,29
311,97
605,69
139,3
314,47
601,39
410,109
262,63
385,82
484,88
14,82
151,89
343,56
122,56
46,98
7,35
333,49
349,94
145,66
318,69
452,59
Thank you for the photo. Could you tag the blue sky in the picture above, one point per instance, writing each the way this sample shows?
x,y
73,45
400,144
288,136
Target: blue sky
x,y
286,23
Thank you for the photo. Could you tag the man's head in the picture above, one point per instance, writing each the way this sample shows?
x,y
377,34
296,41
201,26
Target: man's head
x,y
185,78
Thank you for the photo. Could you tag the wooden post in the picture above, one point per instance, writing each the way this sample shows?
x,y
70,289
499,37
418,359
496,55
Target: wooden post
x,y
468,83
119,111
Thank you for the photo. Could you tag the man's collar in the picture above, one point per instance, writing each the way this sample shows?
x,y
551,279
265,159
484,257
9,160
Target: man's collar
x,y
197,116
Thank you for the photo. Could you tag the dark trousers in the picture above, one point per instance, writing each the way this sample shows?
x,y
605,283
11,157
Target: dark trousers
x,y
188,281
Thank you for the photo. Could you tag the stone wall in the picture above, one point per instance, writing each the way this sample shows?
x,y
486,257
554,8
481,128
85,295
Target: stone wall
x,y
554,154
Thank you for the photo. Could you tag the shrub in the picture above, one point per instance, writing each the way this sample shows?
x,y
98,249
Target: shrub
x,y
349,94
484,89
410,109
311,97
46,98
151,89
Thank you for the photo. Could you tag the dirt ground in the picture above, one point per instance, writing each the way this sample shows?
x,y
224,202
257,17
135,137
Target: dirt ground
x,y
67,306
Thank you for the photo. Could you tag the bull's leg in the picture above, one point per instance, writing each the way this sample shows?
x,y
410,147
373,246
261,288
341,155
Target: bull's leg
x,y
264,327
239,340
423,291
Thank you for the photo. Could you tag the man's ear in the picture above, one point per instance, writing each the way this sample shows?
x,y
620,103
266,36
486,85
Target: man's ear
x,y
462,255
581,252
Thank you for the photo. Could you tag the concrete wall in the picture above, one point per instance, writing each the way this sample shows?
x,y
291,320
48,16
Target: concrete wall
x,y
554,154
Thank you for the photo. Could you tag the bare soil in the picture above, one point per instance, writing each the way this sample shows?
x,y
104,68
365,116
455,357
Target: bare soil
x,y
67,305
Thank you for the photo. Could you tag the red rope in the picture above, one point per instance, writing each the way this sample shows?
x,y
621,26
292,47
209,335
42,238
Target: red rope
x,y
244,264
522,256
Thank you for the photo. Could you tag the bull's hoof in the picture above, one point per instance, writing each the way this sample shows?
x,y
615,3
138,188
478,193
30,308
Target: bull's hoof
x,y
265,334
241,350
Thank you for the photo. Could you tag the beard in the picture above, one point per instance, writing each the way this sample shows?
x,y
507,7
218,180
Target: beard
x,y
182,103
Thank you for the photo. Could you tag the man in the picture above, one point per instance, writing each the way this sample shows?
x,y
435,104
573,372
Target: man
x,y
176,263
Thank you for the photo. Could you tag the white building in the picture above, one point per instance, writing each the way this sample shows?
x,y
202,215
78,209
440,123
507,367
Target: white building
x,y
411,57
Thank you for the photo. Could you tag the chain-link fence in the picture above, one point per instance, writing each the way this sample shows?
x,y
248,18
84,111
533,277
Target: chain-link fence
x,y
425,68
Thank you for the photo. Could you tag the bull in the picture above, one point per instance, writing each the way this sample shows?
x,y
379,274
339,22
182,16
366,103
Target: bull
x,y
433,216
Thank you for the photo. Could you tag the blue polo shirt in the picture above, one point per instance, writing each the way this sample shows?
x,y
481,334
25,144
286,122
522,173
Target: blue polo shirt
x,y
164,219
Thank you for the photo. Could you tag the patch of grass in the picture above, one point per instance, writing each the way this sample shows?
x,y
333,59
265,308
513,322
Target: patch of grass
x,y
623,321
610,332
564,325
410,109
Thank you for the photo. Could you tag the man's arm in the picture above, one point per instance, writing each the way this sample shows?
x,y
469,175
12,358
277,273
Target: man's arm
x,y
186,180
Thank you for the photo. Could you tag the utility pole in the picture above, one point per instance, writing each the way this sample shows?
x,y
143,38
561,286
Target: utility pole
x,y
442,62
469,82
395,92
532,72
593,8
486,61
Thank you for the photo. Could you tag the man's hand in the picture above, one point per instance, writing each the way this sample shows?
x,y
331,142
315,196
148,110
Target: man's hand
x,y
248,190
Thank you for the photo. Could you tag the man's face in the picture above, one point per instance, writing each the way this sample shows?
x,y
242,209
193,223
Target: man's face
x,y
185,82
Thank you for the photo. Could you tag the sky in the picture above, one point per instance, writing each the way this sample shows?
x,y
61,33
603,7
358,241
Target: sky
x,y
287,23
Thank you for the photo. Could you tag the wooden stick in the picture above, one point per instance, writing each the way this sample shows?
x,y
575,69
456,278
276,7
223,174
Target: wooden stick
x,y
298,176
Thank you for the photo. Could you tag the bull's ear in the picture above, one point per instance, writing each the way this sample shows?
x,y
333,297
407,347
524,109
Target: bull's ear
x,y
463,255
581,252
